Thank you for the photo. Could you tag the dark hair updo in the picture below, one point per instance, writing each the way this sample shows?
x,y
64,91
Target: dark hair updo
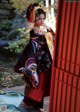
x,y
38,11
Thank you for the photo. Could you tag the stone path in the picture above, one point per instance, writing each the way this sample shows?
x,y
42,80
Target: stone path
x,y
21,90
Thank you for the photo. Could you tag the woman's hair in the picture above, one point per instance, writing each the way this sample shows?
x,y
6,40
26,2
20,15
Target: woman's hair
x,y
40,11
37,12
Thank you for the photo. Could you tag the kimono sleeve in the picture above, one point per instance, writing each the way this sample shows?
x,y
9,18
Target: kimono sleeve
x,y
27,59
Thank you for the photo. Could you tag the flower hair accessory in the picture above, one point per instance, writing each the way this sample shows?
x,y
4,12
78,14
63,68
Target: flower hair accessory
x,y
32,15
31,11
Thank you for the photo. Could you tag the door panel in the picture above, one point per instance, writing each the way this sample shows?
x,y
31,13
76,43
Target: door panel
x,y
65,81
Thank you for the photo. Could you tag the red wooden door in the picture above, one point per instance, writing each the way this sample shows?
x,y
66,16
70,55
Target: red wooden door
x,y
65,83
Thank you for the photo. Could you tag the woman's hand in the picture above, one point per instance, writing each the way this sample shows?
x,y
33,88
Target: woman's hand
x,y
47,27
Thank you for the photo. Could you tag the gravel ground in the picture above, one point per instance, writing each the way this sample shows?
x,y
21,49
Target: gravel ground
x,y
9,78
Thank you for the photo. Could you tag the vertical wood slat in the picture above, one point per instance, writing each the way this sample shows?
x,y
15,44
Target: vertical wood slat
x,y
78,102
59,93
69,50
57,24
70,42
68,99
77,57
78,98
61,33
55,93
72,34
52,92
75,39
64,91
66,31
73,100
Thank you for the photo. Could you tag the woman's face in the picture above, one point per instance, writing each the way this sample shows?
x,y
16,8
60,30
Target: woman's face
x,y
40,20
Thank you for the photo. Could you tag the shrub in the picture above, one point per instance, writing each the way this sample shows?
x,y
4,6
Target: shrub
x,y
21,40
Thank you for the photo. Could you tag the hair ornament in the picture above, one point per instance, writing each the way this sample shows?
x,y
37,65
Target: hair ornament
x,y
32,14
32,11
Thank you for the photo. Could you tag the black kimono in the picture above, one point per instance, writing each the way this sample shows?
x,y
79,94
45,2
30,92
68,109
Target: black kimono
x,y
36,58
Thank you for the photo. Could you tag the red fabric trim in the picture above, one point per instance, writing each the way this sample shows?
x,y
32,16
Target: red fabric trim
x,y
43,88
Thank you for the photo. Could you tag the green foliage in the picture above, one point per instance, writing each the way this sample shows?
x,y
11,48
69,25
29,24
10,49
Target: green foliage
x,y
18,46
20,42
6,25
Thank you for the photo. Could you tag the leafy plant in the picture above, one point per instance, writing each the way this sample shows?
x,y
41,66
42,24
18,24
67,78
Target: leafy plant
x,y
22,39
6,25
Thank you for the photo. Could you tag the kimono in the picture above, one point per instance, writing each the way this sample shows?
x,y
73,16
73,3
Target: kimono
x,y
36,57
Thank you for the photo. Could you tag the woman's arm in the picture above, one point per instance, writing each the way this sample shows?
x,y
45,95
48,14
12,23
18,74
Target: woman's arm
x,y
27,63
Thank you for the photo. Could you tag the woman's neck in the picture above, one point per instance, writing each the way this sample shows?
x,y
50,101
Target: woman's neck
x,y
38,27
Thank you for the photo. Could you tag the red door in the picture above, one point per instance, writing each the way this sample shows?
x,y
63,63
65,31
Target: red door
x,y
65,83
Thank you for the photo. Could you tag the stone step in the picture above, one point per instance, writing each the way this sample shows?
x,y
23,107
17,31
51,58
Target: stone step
x,y
4,12
5,6
3,17
5,1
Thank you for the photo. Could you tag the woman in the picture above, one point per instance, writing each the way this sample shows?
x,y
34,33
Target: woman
x,y
36,59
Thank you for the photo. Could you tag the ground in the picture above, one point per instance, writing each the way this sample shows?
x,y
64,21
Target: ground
x,y
9,78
